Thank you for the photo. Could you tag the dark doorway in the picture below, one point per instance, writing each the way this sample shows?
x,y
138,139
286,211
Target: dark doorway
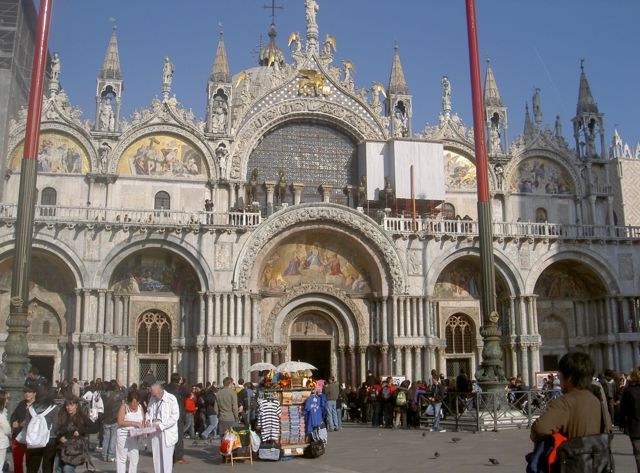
x,y
316,352
454,365
550,362
154,371
44,365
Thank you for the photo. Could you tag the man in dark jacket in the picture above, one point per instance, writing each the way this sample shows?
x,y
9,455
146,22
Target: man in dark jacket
x,y
176,388
630,413
209,398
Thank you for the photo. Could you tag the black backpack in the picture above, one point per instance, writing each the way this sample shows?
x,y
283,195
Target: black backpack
x,y
588,454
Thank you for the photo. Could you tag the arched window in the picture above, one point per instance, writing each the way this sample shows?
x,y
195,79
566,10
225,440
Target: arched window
x,y
448,211
162,201
48,200
154,334
459,334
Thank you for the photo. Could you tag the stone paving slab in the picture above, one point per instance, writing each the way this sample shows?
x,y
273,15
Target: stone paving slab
x,y
363,449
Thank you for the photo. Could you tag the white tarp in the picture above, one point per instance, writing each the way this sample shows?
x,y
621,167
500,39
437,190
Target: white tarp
x,y
394,159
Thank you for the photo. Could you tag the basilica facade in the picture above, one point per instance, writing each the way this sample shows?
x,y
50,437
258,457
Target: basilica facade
x,y
305,218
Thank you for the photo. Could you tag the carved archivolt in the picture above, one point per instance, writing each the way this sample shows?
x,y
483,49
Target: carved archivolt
x,y
338,296
315,212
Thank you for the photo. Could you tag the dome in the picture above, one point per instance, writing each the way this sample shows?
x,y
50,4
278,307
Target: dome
x,y
271,54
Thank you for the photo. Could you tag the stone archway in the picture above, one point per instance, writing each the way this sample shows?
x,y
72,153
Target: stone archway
x,y
571,306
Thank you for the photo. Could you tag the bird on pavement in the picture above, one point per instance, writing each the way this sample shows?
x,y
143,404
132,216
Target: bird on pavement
x,y
424,434
436,454
455,439
494,461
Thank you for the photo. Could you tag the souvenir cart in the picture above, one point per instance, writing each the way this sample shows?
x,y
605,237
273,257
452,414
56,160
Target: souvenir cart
x,y
290,432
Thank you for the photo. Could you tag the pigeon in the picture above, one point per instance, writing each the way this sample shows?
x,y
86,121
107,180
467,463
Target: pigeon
x,y
456,439
424,434
494,461
436,454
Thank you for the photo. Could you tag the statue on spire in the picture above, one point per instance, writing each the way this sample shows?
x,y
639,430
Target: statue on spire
x,y
311,11
446,95
537,109
167,77
54,84
312,8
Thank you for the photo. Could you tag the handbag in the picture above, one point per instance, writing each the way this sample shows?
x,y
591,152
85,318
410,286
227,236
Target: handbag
x,y
315,449
269,452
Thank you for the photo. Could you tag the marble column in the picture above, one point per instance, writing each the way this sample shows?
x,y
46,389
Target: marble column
x,y
101,310
217,315
398,366
418,363
108,322
408,362
78,316
385,336
202,312
210,314
200,367
89,320
342,360
84,366
362,353
298,187
269,187
401,315
421,318
223,315
255,319
224,362
384,351
326,192
246,315
76,359
524,355
351,352
117,324
232,314
97,362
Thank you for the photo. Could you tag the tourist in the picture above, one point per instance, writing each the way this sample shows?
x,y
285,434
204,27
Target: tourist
x,y
5,428
112,399
332,391
227,406
163,413
630,413
178,390
72,429
578,412
209,398
43,456
130,415
18,419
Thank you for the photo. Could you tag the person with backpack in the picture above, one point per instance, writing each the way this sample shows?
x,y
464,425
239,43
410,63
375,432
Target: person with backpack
x,y
41,430
385,398
209,398
73,429
18,419
401,403
577,413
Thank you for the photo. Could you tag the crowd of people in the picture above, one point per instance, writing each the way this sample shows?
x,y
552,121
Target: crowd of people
x,y
161,417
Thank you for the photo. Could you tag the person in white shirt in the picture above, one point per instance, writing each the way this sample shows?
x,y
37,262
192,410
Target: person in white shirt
x,y
163,412
130,415
5,428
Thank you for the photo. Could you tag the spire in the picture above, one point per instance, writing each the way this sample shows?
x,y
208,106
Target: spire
x,y
528,124
586,104
111,65
220,69
271,55
491,93
397,83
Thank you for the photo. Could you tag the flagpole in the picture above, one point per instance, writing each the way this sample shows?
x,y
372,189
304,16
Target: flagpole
x,y
490,375
16,347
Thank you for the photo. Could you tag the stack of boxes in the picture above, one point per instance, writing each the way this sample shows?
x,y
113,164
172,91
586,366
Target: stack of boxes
x,y
292,425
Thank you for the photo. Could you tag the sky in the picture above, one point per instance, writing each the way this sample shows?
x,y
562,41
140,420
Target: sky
x,y
530,44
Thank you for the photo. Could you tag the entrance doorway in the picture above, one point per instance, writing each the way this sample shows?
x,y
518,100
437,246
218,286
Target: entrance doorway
x,y
454,365
316,352
44,365
156,369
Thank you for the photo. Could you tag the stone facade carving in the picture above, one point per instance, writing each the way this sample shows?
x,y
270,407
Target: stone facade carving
x,y
223,256
306,213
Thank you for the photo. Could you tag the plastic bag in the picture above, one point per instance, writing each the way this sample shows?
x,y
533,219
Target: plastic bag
x,y
228,440
255,441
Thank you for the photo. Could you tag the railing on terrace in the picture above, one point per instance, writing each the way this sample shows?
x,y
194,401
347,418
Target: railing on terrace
x,y
469,228
161,217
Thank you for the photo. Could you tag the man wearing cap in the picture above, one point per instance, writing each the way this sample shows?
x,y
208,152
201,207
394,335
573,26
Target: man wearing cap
x,y
18,417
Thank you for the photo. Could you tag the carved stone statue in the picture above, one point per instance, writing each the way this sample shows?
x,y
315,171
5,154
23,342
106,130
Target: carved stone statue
x,y
222,154
281,186
252,187
103,154
329,45
387,195
494,139
167,74
400,128
219,114
362,191
55,68
446,95
106,119
499,170
558,127
311,10
537,110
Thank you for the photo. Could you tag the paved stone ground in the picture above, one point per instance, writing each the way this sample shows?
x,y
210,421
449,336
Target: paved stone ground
x,y
364,449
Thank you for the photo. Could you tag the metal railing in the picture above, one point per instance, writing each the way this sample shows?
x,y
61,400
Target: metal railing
x,y
490,410
137,217
469,228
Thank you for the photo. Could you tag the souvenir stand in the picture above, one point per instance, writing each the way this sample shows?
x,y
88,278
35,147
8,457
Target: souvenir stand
x,y
293,436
